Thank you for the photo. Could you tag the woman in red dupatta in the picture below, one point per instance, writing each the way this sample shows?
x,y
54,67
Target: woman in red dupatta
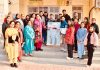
x,y
17,26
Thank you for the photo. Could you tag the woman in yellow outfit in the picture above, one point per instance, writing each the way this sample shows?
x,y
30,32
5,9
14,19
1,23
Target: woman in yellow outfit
x,y
11,44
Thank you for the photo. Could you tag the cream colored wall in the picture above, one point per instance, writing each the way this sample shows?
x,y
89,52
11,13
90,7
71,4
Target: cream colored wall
x,y
50,2
84,4
21,6
95,13
3,9
3,12
14,7
67,8
86,8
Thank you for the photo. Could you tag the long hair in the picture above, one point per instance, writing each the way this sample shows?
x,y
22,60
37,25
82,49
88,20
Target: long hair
x,y
71,25
87,20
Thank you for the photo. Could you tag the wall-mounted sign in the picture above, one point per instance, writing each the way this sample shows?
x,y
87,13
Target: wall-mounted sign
x,y
97,3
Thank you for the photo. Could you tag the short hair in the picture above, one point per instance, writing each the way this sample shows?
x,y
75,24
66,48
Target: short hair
x,y
51,14
93,18
45,12
28,16
82,22
40,11
63,10
93,27
62,16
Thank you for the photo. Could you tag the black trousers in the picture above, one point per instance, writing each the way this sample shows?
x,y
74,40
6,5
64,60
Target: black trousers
x,y
44,35
75,41
90,49
4,41
70,50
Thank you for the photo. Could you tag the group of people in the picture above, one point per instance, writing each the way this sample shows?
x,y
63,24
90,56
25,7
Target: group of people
x,y
78,36
23,35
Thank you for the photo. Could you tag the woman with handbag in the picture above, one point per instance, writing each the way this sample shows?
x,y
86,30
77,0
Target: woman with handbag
x,y
11,44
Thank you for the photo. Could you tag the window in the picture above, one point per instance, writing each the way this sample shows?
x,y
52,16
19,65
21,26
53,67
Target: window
x,y
33,9
98,3
44,9
54,9
79,10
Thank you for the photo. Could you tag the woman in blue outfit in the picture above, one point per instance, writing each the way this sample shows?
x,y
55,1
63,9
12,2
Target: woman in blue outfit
x,y
81,34
29,36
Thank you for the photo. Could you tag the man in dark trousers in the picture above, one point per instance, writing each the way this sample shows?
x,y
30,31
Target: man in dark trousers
x,y
67,17
95,25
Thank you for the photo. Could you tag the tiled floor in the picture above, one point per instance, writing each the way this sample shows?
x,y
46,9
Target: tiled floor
x,y
50,59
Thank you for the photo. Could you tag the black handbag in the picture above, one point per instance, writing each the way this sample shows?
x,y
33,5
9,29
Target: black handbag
x,y
10,40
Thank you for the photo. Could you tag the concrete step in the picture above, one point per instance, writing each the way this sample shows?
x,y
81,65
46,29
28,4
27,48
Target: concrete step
x,y
48,54
53,61
52,53
56,61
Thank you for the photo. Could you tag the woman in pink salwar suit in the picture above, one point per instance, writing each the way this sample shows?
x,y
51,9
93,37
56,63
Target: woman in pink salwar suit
x,y
38,33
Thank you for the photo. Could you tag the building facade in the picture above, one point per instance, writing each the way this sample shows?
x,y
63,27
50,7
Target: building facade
x,y
51,6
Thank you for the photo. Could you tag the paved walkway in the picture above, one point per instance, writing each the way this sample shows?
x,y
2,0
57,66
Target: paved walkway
x,y
50,59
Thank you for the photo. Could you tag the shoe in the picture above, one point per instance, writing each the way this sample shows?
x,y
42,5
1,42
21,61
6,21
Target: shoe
x,y
81,58
25,54
12,65
15,65
45,44
40,49
71,58
37,49
88,66
20,60
30,55
68,58
75,51
78,57
62,49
